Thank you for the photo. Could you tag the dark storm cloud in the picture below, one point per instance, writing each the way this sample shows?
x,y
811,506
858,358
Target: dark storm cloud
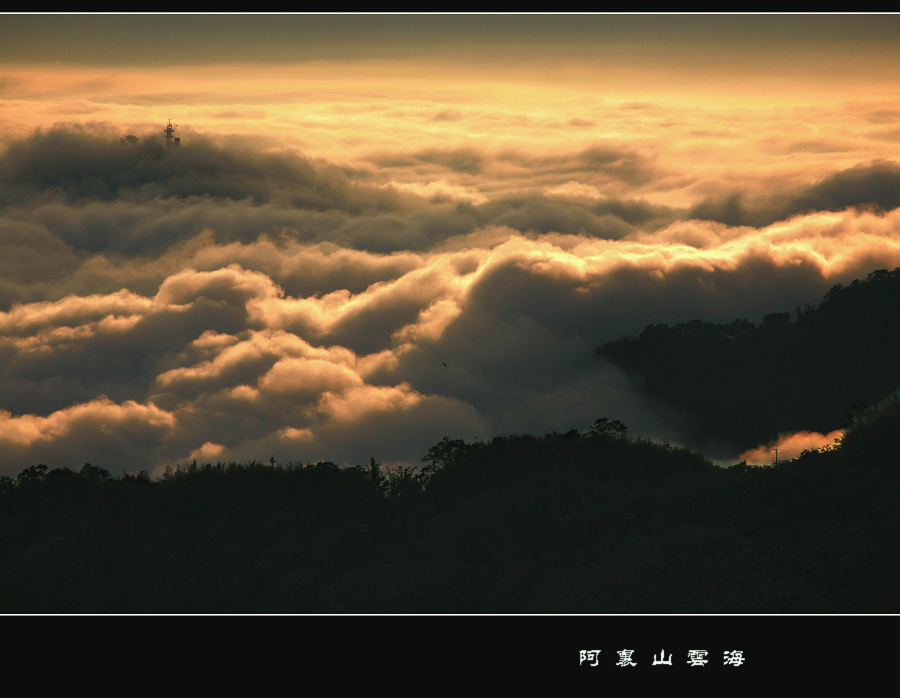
x,y
603,161
883,116
871,184
95,193
117,352
79,164
612,161
31,253
464,160
637,213
609,219
875,185
152,227
556,216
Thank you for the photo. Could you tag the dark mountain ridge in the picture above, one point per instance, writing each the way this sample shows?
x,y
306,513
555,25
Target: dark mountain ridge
x,y
744,384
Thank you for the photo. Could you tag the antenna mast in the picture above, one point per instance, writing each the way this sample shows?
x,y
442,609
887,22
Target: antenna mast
x,y
170,132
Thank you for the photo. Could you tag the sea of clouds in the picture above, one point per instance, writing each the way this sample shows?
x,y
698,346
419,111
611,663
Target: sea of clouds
x,y
223,303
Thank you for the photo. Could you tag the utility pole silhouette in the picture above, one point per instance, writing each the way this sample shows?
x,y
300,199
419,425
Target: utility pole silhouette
x,y
373,470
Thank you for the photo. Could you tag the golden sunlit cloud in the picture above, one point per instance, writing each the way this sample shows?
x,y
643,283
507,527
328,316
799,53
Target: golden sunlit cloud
x,y
788,446
208,451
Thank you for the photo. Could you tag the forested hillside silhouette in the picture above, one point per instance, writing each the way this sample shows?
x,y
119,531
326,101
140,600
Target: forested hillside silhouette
x,y
580,522
742,384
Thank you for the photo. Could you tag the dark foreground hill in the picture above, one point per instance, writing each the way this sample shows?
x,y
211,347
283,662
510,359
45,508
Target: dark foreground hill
x,y
574,523
740,384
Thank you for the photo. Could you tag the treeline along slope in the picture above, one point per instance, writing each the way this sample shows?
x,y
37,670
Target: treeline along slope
x,y
590,522
744,384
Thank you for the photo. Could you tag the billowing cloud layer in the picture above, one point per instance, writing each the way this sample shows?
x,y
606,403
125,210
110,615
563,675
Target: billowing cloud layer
x,y
229,303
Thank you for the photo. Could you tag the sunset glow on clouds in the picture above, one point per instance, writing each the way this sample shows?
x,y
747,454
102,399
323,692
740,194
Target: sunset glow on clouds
x,y
354,256
790,446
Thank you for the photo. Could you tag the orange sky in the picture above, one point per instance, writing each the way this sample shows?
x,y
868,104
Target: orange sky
x,y
788,99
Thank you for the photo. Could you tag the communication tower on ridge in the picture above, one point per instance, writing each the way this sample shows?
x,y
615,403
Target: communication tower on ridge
x,y
170,133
